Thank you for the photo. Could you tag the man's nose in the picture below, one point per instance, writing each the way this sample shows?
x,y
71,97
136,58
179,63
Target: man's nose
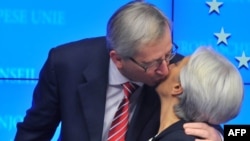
x,y
163,69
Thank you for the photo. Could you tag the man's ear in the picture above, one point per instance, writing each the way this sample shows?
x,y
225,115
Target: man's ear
x,y
115,58
177,89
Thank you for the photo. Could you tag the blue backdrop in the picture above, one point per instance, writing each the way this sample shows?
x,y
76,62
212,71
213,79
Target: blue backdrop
x,y
29,29
201,22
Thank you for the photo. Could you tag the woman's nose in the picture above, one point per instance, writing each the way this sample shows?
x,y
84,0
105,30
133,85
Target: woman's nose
x,y
170,66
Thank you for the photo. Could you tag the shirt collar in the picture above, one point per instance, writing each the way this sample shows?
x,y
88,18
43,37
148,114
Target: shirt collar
x,y
116,78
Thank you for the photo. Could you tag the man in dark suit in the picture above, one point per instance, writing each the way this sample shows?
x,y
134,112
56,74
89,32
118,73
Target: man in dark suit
x,y
80,83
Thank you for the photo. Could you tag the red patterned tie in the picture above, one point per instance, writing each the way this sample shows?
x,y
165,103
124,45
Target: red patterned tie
x,y
119,125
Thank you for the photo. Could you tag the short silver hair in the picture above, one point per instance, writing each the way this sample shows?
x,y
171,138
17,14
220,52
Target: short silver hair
x,y
212,88
133,25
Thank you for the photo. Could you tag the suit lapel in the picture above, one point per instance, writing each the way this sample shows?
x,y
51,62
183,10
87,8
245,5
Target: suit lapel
x,y
145,122
93,96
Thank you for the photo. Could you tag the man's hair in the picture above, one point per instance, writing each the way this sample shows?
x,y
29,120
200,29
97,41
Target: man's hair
x,y
133,25
212,88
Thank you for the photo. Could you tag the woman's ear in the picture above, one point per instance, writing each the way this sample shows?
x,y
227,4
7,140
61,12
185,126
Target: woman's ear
x,y
177,89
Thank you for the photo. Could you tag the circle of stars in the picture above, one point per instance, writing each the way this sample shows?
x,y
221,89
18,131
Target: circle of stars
x,y
222,36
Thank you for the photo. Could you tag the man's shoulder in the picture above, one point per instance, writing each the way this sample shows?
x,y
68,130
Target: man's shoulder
x,y
93,41
83,46
81,51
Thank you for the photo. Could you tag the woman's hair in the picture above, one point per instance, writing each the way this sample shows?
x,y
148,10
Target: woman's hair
x,y
212,88
134,25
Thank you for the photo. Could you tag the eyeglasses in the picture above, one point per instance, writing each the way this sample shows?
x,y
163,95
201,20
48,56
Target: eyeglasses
x,y
156,64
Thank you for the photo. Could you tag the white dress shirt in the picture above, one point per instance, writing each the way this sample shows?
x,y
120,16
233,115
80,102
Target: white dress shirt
x,y
114,97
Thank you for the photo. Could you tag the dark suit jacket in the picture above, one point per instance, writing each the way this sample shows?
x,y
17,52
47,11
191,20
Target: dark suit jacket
x,y
72,90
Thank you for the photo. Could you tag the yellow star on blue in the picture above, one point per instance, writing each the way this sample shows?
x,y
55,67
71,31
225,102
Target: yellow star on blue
x,y
222,36
214,6
243,60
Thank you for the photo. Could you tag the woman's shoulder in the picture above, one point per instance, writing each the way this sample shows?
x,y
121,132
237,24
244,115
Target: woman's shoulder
x,y
174,132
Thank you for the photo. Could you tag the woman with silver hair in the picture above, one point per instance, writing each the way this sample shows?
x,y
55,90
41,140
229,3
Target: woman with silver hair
x,y
205,87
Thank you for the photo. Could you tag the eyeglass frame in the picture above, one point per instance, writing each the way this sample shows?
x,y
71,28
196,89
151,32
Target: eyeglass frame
x,y
167,58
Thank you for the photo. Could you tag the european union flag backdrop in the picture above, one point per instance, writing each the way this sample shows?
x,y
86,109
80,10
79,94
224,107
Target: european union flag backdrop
x,y
222,24
29,29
